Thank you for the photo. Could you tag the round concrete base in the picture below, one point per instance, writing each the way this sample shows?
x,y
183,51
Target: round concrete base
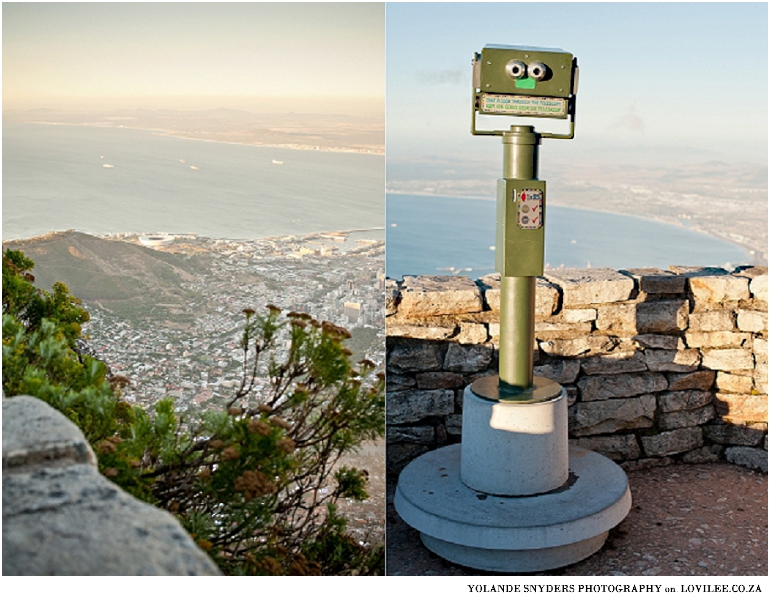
x,y
512,534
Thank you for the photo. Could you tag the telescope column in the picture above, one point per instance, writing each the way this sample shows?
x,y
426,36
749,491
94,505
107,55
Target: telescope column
x,y
513,496
517,294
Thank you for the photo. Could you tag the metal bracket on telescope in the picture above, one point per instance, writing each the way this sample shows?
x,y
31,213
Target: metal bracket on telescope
x,y
520,81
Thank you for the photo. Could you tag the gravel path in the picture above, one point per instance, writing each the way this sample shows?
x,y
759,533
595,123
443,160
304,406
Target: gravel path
x,y
706,519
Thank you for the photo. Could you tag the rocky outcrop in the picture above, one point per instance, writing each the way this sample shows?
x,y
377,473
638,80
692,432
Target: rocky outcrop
x,y
658,365
61,517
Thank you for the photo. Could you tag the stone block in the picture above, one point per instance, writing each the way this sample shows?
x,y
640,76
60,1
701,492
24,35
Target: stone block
x,y
436,295
424,435
654,341
472,332
546,298
657,281
703,455
618,363
716,339
563,372
741,407
675,401
752,321
581,346
454,424
593,388
611,416
666,360
700,379
750,457
615,447
760,350
591,285
758,287
467,358
686,418
398,382
416,331
409,355
439,380
669,316
731,434
561,329
617,318
760,378
408,406
576,315
734,383
672,442
728,359
698,271
712,320
489,285
392,296
718,289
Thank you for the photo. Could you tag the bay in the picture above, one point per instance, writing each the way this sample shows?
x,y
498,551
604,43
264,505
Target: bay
x,y
450,235
54,178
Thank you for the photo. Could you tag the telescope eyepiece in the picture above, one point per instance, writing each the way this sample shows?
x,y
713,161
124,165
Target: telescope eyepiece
x,y
516,69
537,71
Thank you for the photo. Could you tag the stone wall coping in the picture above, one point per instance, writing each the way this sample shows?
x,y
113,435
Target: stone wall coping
x,y
61,517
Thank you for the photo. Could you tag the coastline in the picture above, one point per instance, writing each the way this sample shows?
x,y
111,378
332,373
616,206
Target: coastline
x,y
124,235
747,249
167,133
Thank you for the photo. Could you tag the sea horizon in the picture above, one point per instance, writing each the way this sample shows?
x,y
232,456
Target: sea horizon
x,y
54,179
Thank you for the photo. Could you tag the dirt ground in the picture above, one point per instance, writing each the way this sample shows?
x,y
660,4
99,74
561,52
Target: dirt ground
x,y
686,520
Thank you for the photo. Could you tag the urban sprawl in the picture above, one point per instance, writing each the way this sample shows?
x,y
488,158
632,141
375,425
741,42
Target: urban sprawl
x,y
194,354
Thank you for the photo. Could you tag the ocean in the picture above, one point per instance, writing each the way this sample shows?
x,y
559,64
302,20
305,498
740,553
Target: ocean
x,y
449,235
54,178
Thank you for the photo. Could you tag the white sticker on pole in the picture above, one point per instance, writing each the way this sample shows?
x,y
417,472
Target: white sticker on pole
x,y
522,105
529,214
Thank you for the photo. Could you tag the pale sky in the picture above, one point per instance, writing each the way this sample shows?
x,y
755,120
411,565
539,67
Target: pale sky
x,y
688,78
190,55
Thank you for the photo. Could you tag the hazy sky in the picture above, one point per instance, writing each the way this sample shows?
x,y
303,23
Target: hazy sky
x,y
190,54
687,80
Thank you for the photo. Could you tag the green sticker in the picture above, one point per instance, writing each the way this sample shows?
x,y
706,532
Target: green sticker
x,y
526,83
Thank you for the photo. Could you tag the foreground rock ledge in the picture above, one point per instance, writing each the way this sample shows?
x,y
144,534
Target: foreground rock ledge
x,y
61,517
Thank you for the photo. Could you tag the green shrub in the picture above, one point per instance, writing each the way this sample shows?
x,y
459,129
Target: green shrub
x,y
256,483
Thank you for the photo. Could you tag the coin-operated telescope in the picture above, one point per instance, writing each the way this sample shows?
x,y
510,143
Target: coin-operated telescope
x,y
523,81
513,496
519,81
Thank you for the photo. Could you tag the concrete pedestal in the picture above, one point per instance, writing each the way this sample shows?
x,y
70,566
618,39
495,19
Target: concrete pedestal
x,y
514,448
512,534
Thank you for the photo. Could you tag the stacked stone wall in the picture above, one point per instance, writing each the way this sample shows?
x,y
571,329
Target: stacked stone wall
x,y
659,366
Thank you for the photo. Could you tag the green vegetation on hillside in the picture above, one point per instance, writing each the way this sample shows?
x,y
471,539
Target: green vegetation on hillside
x,y
256,484
128,279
